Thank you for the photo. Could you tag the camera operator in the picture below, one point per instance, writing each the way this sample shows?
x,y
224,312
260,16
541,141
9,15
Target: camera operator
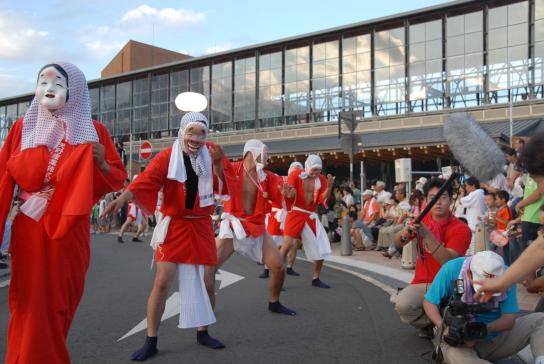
x,y
488,336
444,237
532,258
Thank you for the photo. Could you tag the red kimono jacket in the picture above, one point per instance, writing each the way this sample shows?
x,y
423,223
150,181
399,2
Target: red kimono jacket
x,y
190,238
50,257
295,221
253,224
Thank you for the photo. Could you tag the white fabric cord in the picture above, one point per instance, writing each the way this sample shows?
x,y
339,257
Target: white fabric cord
x,y
257,148
316,246
280,215
195,306
231,227
42,127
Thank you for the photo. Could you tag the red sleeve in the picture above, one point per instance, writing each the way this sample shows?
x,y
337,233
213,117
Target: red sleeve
x,y
117,175
293,177
7,184
322,200
274,182
146,187
458,236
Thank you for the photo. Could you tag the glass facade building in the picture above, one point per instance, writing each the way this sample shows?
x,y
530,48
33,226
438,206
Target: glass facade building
x,y
458,55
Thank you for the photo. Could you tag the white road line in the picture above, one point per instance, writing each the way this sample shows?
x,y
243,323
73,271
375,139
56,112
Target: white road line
x,y
5,283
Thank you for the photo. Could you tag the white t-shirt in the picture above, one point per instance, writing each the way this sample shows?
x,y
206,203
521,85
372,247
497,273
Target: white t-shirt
x,y
474,202
348,199
499,182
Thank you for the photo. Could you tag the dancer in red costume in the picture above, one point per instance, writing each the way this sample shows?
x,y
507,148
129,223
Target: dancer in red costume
x,y
183,238
57,163
309,188
243,220
275,223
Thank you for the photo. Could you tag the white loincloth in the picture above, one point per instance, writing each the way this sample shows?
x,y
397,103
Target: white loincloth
x,y
248,246
316,246
278,239
136,212
195,307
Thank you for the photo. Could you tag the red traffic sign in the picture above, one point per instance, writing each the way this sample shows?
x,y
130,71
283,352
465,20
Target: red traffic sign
x,y
146,149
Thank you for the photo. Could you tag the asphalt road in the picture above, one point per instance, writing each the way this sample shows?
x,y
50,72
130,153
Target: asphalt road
x,y
353,322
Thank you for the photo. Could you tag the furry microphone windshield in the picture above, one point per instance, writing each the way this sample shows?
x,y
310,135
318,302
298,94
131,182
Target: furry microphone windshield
x,y
473,147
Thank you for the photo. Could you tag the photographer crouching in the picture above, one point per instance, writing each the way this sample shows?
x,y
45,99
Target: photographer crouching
x,y
474,332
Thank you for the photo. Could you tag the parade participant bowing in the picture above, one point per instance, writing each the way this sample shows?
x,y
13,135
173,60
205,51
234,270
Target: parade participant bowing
x,y
243,220
308,189
57,163
183,238
275,223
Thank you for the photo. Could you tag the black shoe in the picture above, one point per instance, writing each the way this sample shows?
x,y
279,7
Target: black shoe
x,y
316,282
291,272
120,239
265,274
136,240
427,332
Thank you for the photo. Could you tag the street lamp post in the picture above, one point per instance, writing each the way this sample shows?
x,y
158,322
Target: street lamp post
x,y
350,120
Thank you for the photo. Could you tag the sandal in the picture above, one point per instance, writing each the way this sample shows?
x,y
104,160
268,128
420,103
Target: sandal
x,y
386,254
359,248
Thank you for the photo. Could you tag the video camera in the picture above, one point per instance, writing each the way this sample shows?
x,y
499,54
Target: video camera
x,y
458,317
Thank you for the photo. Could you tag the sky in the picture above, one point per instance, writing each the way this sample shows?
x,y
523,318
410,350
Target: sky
x,y
90,33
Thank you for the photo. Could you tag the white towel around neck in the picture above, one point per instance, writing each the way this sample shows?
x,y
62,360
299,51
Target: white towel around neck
x,y
177,172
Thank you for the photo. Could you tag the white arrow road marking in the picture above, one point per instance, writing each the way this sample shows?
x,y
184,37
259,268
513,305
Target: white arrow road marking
x,y
6,283
171,308
226,278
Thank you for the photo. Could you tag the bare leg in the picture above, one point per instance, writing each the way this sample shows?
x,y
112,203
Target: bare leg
x,y
288,242
125,226
291,257
157,298
225,249
155,309
316,282
273,261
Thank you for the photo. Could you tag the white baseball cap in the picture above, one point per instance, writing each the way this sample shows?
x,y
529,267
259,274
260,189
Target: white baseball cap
x,y
486,264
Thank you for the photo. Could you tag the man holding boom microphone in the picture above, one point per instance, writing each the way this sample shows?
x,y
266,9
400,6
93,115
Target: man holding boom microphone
x,y
444,237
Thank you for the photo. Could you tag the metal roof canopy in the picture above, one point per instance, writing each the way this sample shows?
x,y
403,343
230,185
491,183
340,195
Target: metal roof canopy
x,y
385,139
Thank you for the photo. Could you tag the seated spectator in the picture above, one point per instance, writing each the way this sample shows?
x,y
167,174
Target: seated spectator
x,y
348,197
380,193
362,235
400,212
507,335
443,237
